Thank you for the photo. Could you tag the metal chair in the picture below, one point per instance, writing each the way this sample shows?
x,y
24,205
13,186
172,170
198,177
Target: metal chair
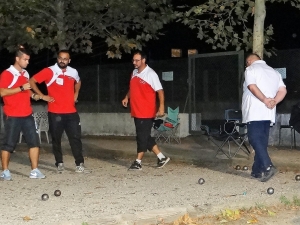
x,y
232,131
293,134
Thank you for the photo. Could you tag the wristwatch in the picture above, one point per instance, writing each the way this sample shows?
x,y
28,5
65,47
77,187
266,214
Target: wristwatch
x,y
22,89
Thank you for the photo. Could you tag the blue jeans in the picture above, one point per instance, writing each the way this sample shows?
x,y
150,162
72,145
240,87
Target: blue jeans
x,y
12,128
258,134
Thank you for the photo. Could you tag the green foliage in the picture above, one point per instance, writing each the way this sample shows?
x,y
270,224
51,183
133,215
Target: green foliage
x,y
285,200
223,23
123,24
294,202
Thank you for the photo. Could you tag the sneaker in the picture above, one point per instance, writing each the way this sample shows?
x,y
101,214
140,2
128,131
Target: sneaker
x,y
135,166
271,171
80,168
5,175
36,174
256,175
162,162
60,167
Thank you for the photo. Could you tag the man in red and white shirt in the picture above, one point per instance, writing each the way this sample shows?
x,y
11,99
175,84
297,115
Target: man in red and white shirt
x,y
144,85
15,91
63,85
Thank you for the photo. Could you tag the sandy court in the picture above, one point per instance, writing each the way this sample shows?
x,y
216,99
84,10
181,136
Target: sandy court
x,y
110,194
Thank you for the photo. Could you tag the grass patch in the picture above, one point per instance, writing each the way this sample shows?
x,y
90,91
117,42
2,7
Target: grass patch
x,y
252,215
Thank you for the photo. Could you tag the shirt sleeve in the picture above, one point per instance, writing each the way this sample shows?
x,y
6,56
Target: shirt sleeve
x,y
281,84
5,79
249,77
44,75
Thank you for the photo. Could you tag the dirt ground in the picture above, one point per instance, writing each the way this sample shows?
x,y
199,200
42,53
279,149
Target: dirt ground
x,y
110,194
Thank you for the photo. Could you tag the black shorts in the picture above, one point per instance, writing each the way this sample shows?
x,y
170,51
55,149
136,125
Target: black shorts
x,y
143,134
12,128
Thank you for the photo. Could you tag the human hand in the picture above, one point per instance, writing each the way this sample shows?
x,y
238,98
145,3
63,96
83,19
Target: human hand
x,y
161,112
270,103
26,86
125,102
47,98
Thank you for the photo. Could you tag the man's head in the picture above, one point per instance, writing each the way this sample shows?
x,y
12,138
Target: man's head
x,y
252,58
63,59
22,57
139,59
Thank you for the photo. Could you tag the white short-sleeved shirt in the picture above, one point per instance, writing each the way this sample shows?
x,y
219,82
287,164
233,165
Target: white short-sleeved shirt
x,y
268,81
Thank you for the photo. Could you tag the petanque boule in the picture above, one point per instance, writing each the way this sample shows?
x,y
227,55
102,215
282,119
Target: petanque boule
x,y
201,181
57,193
45,197
245,168
297,177
238,167
270,191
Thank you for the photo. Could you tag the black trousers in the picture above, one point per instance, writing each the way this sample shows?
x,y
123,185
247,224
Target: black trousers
x,y
70,123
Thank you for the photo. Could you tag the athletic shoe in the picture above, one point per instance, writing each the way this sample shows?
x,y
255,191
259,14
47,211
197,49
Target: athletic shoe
x,y
162,162
60,167
36,174
80,168
5,175
271,171
256,175
135,166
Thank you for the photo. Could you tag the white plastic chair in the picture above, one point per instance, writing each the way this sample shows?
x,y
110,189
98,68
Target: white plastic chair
x,y
41,122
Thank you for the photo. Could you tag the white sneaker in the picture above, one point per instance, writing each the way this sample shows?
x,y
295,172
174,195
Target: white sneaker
x,y
5,175
80,168
36,174
60,167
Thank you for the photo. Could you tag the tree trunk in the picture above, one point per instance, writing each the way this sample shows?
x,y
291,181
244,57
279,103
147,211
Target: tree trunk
x,y
61,34
258,28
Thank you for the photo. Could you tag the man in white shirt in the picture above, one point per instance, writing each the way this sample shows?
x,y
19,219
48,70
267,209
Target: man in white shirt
x,y
263,90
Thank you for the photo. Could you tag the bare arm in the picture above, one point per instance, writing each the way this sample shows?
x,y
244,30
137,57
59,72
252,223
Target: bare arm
x,y
125,100
77,88
161,108
12,91
35,88
280,94
258,94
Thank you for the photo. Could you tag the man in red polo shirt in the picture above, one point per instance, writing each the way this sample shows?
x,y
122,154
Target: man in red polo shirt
x,y
15,91
144,84
63,85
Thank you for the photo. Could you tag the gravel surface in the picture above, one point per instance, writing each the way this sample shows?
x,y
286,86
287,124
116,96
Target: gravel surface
x,y
110,194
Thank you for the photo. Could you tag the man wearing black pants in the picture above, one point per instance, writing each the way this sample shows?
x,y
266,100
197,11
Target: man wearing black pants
x,y
144,85
63,85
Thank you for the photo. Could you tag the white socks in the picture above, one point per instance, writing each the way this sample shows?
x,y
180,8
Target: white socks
x,y
160,156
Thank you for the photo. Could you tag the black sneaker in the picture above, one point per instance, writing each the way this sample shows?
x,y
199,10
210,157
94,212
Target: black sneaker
x,y
135,166
256,175
162,162
271,171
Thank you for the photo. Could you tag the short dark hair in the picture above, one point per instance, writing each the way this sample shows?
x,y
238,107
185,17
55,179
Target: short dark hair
x,y
22,50
139,52
64,51
253,54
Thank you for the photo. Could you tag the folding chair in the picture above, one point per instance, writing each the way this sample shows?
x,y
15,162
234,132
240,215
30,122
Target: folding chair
x,y
229,133
169,128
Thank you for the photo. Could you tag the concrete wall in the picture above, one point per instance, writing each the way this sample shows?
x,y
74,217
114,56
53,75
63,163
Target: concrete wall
x,y
119,124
